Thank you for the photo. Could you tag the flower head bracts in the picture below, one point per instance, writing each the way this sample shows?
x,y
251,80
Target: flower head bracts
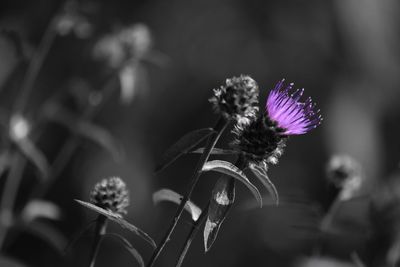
x,y
111,194
260,141
289,113
237,99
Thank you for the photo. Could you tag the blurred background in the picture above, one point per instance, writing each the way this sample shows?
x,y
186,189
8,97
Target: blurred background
x,y
344,53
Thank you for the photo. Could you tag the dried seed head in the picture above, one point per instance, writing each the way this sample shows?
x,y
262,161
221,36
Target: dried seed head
x,y
260,141
237,99
111,194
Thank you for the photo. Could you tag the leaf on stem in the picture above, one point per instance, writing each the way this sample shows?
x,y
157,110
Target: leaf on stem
x,y
261,174
33,154
183,146
116,217
216,151
233,171
37,208
86,129
223,197
128,246
171,196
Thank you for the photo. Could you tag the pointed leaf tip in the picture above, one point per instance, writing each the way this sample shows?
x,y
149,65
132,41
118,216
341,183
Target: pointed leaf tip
x,y
115,217
169,195
233,171
210,234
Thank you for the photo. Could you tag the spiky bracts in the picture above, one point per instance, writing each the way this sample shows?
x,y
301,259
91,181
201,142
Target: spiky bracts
x,y
237,99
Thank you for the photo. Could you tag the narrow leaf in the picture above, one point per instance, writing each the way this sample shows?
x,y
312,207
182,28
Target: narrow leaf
x,y
37,208
223,197
183,146
233,171
128,246
261,174
79,235
115,217
34,155
169,195
211,230
86,129
216,151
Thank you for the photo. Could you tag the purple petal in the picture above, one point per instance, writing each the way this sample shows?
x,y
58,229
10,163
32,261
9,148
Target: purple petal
x,y
289,113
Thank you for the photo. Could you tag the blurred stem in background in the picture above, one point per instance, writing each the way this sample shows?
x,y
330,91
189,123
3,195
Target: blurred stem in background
x,y
367,85
16,171
212,141
240,163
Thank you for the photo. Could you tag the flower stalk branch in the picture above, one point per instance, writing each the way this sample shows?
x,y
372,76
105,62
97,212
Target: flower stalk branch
x,y
100,230
212,141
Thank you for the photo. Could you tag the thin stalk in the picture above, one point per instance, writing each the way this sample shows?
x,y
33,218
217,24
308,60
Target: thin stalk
x,y
192,234
240,163
212,141
327,220
100,230
9,195
72,143
36,64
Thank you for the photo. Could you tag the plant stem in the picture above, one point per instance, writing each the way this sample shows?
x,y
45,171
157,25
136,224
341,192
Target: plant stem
x,y
36,64
240,163
100,230
212,140
192,235
9,195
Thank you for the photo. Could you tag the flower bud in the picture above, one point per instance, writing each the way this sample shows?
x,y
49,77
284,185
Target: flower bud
x,y
111,194
345,173
237,99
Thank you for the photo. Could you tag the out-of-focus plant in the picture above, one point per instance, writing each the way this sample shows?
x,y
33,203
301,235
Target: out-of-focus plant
x,y
110,198
22,130
346,174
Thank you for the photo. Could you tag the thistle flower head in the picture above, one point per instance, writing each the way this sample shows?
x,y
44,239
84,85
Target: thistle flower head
x,y
260,141
289,113
237,99
111,194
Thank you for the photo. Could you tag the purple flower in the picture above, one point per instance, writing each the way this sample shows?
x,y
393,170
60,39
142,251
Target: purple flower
x,y
293,116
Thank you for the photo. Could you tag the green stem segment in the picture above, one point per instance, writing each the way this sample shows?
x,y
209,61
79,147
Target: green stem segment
x,y
240,163
101,226
212,140
192,234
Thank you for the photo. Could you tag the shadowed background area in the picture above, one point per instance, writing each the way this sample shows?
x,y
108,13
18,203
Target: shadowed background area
x,y
344,54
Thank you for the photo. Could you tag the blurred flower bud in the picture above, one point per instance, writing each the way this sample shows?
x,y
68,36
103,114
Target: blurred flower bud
x,y
260,141
72,21
117,48
136,39
237,99
111,194
19,127
345,173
